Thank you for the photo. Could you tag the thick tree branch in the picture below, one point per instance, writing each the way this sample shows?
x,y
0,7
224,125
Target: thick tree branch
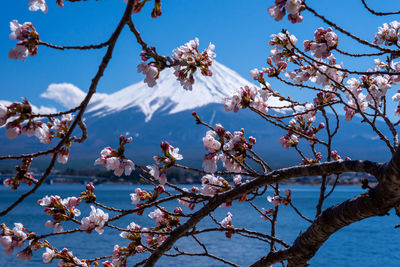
x,y
273,177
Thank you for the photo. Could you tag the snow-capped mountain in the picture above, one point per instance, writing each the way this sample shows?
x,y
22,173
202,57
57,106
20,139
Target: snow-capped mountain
x,y
168,94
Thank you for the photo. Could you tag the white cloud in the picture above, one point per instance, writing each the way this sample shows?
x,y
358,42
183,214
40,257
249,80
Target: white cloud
x,y
66,94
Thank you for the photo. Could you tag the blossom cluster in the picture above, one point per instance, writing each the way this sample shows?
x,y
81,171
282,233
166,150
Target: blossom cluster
x,y
292,7
281,53
248,96
15,114
115,159
165,222
190,55
60,210
66,258
121,254
232,147
88,196
302,126
188,201
325,41
211,185
14,238
376,87
12,117
171,155
22,176
317,158
28,40
335,156
143,195
276,200
388,34
96,220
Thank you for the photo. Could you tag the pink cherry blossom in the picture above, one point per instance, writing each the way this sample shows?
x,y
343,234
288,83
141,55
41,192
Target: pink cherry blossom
x,y
293,6
13,130
48,255
227,221
35,5
159,216
276,200
230,164
154,170
62,156
210,143
210,162
96,221
151,72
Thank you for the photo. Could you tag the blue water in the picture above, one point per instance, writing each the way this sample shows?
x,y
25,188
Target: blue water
x,y
372,242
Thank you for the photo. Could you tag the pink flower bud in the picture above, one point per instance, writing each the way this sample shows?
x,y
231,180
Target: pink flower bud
x,y
90,187
178,211
164,147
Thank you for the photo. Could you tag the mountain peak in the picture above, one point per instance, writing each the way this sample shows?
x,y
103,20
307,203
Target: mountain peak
x,y
168,95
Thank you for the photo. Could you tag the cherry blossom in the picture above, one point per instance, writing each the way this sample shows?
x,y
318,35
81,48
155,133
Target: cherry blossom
x,y
131,227
276,200
230,164
110,159
265,214
212,185
135,197
62,156
48,256
10,239
154,171
237,179
210,142
227,221
117,260
210,162
151,72
28,40
22,176
13,130
189,53
35,5
174,152
293,7
159,216
247,97
96,221
388,34
325,41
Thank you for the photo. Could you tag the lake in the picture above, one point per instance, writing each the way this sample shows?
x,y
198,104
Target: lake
x,y
372,242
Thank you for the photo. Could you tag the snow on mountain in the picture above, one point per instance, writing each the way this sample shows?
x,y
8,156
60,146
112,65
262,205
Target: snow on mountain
x,y
168,94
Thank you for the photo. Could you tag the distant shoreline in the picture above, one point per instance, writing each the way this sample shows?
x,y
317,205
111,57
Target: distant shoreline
x,y
71,179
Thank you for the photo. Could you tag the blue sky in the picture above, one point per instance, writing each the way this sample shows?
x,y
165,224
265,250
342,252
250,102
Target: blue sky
x,y
239,29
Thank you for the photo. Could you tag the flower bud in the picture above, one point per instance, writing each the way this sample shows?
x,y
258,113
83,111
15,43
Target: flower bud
x,y
164,147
